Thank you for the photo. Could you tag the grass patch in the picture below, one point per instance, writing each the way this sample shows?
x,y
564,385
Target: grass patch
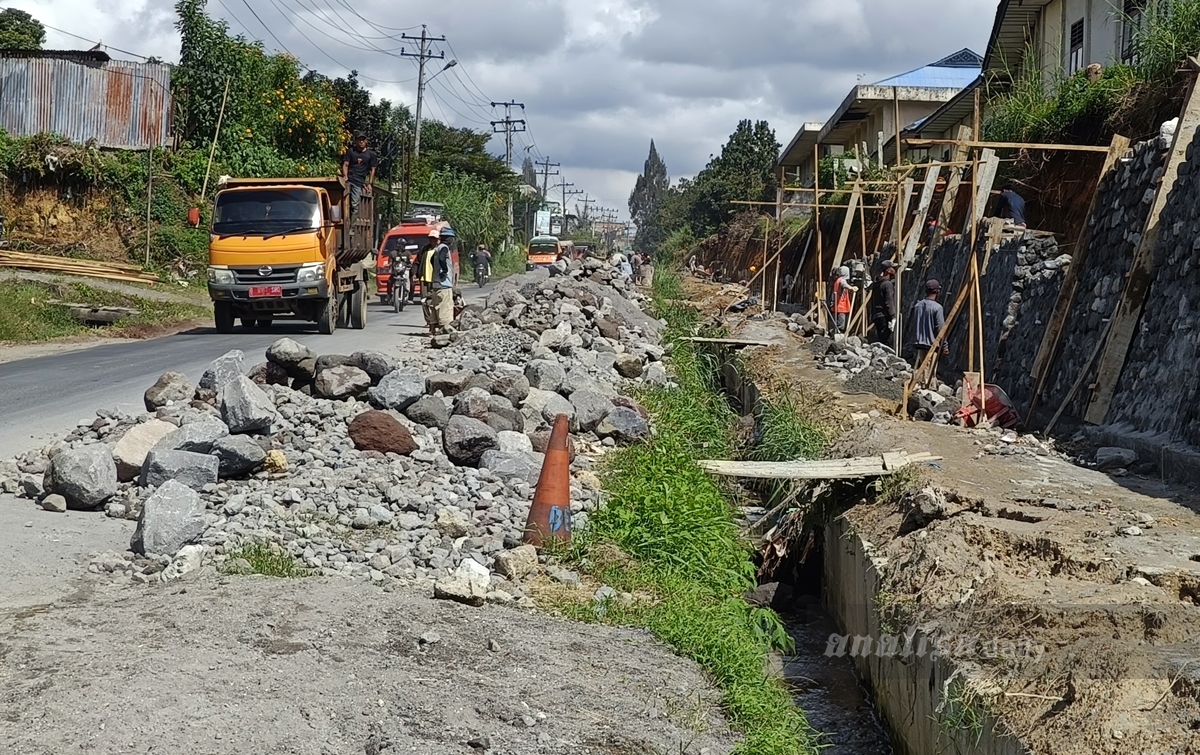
x,y
267,559
26,317
677,531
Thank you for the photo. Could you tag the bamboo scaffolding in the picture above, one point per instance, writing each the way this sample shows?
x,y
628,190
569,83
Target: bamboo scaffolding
x,y
1004,145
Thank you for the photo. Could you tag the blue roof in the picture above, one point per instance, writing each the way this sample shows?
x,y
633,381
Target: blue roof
x,y
956,71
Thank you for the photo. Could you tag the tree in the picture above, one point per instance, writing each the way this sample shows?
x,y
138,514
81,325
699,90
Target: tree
x,y
529,173
745,170
648,194
20,31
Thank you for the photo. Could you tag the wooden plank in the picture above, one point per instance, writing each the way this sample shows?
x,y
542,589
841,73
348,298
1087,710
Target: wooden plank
x,y
905,199
995,232
1137,282
962,134
894,460
837,469
914,238
1052,338
1004,145
847,224
730,341
988,165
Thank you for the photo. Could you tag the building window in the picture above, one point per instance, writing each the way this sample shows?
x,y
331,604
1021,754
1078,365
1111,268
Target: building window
x,y
1075,59
1132,20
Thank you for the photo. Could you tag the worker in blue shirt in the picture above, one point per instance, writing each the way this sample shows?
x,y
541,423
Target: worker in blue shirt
x,y
1012,206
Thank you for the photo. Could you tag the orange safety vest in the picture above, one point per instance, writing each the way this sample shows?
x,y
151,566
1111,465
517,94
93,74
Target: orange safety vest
x,y
841,295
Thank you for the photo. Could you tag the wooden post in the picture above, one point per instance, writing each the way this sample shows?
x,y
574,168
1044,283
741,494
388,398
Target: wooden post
x,y
1048,351
149,195
983,176
979,323
960,155
904,198
896,119
910,248
779,246
212,152
821,317
847,224
1137,282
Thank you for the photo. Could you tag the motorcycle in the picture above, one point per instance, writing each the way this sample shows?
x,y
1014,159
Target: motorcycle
x,y
481,273
400,284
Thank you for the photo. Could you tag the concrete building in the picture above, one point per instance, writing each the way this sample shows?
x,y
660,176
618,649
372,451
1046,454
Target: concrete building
x,y
866,120
1063,36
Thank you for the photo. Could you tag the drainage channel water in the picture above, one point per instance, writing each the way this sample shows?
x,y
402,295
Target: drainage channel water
x,y
827,688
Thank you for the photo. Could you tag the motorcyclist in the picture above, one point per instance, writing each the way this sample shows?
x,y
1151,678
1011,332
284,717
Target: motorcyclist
x,y
483,260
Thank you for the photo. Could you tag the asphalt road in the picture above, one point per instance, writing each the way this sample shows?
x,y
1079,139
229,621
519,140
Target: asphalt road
x,y
44,397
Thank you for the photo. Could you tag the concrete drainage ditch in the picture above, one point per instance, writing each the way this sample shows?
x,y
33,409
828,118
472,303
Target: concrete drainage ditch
x,y
870,687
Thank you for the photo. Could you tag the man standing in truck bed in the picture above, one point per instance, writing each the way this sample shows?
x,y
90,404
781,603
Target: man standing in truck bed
x,y
358,170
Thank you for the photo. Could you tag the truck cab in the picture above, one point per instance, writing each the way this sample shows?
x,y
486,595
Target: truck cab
x,y
288,248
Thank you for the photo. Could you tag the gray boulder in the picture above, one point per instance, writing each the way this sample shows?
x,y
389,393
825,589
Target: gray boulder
x,y
269,373
376,364
131,450
429,411
1112,457
502,415
289,353
521,466
629,366
397,390
171,517
194,470
85,476
341,382
197,437
223,370
238,455
545,375
449,384
512,386
514,442
171,387
473,402
624,425
590,409
465,439
556,405
246,408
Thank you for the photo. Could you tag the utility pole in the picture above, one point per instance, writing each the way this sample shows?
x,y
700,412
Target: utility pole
x,y
423,54
510,126
587,200
546,166
563,229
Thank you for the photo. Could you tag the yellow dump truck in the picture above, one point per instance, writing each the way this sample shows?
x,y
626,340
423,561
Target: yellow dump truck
x,y
288,247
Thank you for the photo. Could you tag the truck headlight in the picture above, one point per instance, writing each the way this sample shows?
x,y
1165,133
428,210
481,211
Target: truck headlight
x,y
220,276
310,273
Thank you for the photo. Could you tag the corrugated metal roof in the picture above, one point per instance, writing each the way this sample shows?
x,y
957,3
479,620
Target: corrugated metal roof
x,y
118,104
952,72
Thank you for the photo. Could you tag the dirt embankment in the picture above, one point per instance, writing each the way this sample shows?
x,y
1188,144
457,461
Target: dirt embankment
x,y
1008,539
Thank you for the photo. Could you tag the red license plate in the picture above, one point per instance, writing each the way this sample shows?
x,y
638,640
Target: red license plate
x,y
261,292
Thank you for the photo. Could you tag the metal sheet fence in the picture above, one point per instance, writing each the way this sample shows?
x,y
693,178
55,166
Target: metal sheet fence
x,y
118,104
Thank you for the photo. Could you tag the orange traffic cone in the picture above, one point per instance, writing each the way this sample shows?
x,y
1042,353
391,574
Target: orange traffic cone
x,y
550,514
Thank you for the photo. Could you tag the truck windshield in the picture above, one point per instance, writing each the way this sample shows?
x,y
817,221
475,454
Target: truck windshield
x,y
396,243
265,212
540,247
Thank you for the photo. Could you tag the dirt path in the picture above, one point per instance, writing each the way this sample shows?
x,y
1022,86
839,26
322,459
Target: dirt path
x,y
254,665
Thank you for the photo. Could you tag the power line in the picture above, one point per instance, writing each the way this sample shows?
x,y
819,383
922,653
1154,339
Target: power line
x,y
97,42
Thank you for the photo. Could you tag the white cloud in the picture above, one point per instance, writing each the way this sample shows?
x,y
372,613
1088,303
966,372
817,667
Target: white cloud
x,y
600,78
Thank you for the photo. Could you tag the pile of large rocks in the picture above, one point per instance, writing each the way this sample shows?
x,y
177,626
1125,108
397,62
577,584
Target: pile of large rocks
x,y
381,467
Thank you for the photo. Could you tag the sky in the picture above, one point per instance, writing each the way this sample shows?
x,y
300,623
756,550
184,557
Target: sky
x,y
599,78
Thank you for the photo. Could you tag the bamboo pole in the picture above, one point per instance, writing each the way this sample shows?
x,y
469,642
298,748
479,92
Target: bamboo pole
x,y
1005,145
149,195
821,318
212,151
983,418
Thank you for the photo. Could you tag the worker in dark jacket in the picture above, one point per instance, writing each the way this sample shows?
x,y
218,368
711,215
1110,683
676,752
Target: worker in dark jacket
x,y
1012,206
883,303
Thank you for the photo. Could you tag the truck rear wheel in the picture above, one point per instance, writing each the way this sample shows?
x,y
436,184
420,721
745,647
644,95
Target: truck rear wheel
x,y
343,310
358,306
327,320
223,316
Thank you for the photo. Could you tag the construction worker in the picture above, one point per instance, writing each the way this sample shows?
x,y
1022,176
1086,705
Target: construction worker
x,y
437,281
842,291
883,303
358,170
928,319
1012,206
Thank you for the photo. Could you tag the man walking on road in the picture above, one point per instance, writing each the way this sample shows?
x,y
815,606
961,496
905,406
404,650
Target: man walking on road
x,y
358,170
883,303
928,321
437,281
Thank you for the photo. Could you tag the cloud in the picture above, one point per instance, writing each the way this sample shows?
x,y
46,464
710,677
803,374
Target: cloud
x,y
599,78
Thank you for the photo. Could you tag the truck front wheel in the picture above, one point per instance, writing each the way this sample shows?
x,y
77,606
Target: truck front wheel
x,y
223,316
327,320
